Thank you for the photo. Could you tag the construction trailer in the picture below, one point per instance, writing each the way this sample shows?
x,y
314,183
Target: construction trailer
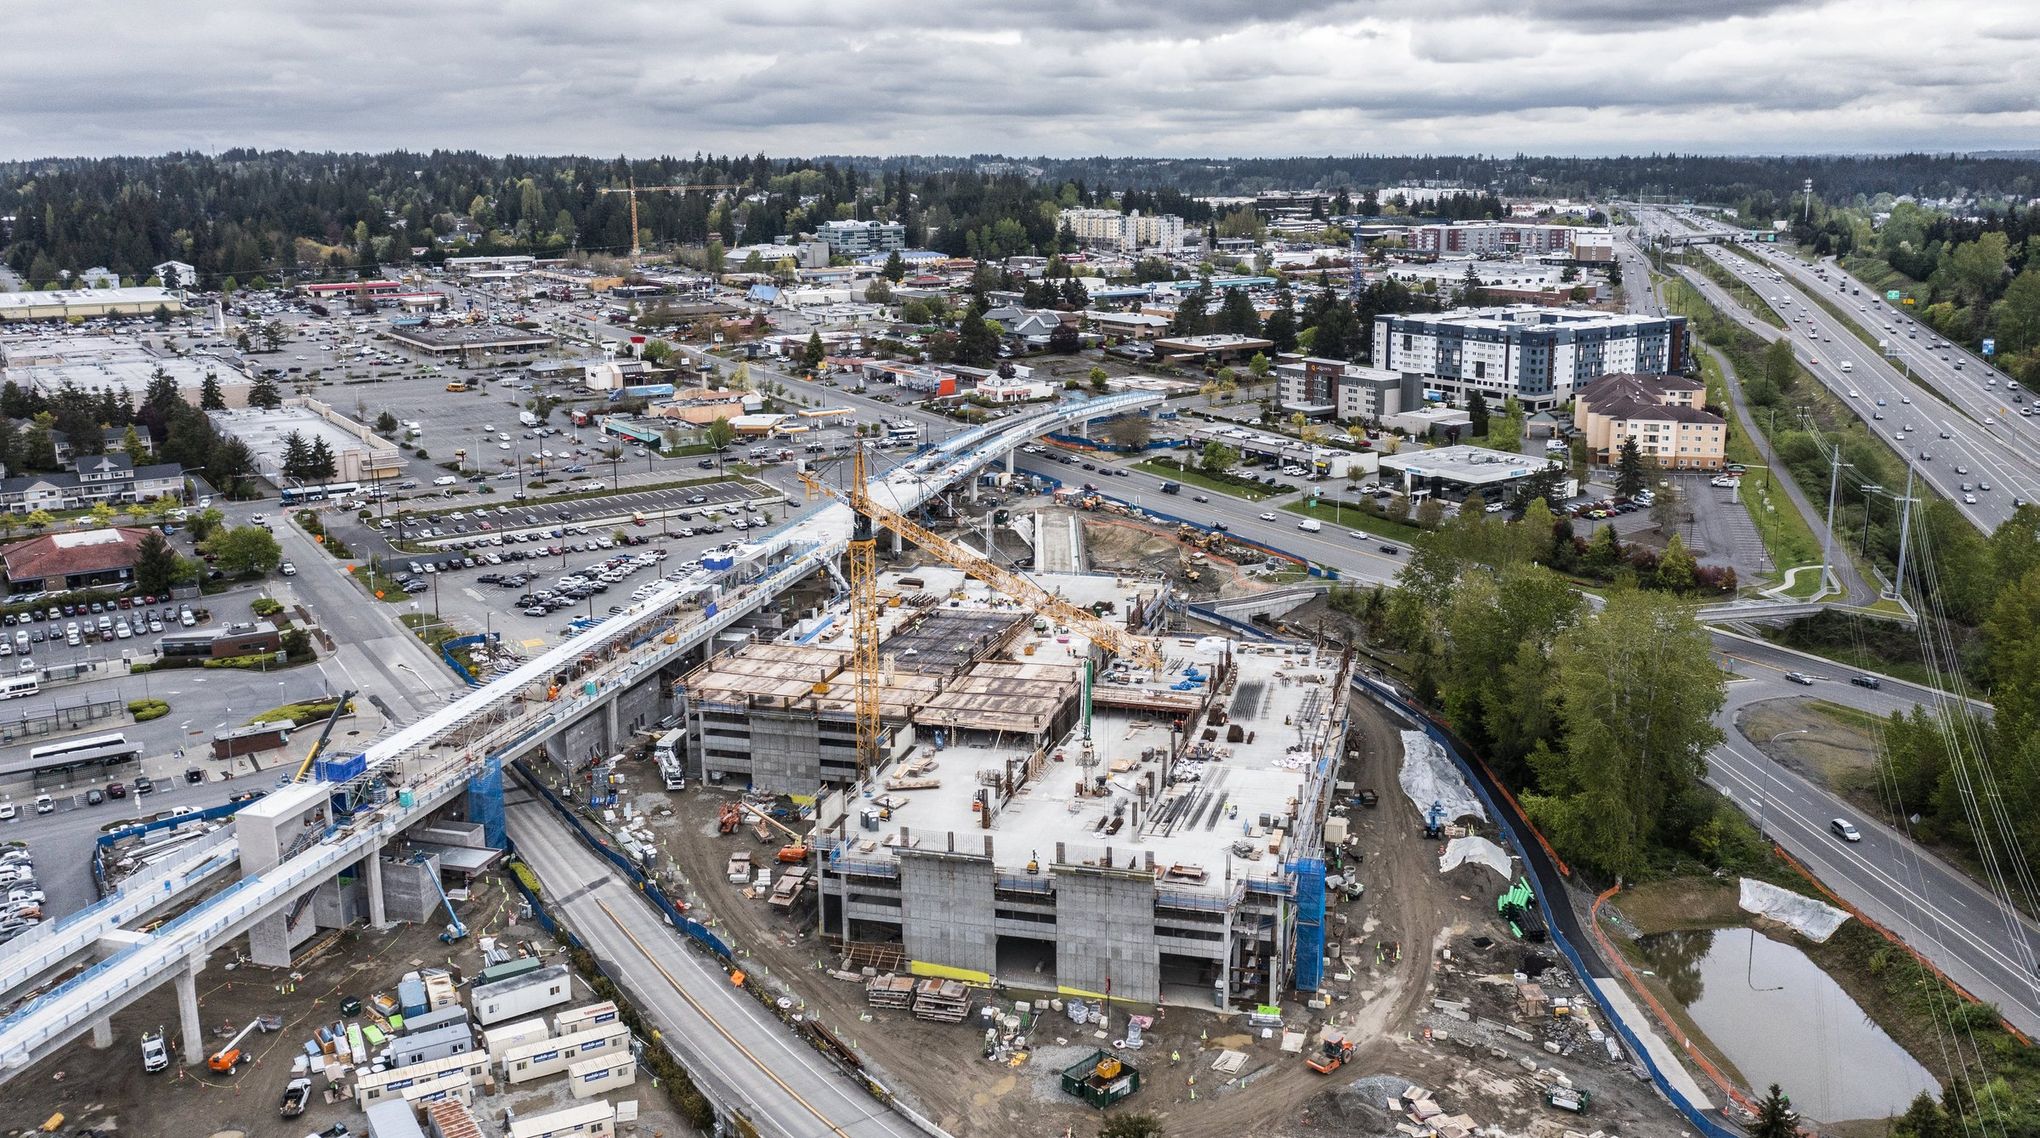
x,y
376,1086
585,1017
551,1056
499,1041
520,996
413,1048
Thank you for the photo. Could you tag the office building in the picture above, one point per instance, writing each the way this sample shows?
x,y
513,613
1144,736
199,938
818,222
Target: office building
x,y
1490,238
860,238
1541,356
1348,392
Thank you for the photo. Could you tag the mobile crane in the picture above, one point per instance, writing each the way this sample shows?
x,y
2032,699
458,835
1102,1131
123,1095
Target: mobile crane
x,y
339,709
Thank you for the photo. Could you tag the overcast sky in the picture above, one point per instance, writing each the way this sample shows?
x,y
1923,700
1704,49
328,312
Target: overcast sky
x,y
1022,77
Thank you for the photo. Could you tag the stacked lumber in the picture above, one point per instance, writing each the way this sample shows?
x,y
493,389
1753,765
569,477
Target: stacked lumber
x,y
889,991
941,1001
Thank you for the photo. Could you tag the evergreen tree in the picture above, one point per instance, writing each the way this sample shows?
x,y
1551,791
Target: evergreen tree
x,y
1236,315
1192,317
210,396
265,394
977,340
1075,295
815,353
1477,411
1280,330
1629,478
320,463
1334,336
1775,1116
895,266
296,458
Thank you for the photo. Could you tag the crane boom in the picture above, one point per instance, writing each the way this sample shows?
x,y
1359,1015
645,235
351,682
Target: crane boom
x,y
1118,640
633,189
339,709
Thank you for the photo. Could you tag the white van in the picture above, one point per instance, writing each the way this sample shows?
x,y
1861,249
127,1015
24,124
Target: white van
x,y
1847,366
1310,525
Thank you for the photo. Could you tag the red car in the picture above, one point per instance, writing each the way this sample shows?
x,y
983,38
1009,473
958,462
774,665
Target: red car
x,y
116,790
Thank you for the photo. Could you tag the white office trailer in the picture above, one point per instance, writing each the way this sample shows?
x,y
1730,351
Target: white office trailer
x,y
500,1040
522,995
453,1086
375,1086
550,1057
601,1074
585,1120
411,1049
435,1019
584,1017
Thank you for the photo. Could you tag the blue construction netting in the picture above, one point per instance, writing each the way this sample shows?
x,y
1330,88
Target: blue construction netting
x,y
648,886
1546,891
447,649
485,801
1310,922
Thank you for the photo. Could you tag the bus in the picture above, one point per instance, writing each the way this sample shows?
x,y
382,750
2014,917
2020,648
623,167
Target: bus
x,y
903,431
299,495
14,687
71,754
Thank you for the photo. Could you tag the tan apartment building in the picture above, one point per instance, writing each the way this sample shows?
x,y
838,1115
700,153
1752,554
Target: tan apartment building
x,y
1661,412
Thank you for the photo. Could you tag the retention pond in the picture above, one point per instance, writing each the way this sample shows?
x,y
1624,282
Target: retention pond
x,y
1780,1019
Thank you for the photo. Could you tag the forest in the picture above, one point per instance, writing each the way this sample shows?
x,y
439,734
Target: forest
x,y
296,215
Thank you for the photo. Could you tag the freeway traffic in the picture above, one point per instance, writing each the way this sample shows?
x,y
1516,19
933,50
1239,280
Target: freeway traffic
x,y
1965,459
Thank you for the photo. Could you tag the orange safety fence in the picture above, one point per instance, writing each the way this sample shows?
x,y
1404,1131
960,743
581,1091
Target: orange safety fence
x,y
1664,1020
1894,938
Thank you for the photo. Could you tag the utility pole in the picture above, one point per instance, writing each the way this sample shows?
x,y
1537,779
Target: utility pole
x,y
1827,539
1806,199
1904,533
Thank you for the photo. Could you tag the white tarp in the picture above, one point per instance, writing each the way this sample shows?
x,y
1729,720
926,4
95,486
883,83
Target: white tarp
x,y
1814,920
1479,851
1428,776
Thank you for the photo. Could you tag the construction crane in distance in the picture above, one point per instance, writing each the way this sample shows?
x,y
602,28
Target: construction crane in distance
x,y
637,251
860,564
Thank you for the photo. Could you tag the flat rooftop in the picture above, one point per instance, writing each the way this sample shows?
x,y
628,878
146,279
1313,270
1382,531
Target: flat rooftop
x,y
46,360
1221,813
1463,463
1518,317
471,336
266,432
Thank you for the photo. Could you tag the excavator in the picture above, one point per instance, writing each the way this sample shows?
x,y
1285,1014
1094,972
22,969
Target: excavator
x,y
795,852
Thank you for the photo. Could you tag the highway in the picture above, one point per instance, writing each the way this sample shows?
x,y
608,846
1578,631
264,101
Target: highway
x,y
1938,909
742,1056
1945,446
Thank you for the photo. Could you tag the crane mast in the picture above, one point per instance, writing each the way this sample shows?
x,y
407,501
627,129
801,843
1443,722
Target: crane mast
x,y
637,251
861,571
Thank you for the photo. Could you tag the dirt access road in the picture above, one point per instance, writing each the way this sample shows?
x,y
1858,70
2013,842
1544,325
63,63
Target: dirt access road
x,y
1374,996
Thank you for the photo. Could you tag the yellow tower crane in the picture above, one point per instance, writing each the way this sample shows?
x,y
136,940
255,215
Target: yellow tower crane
x,y
637,251
862,573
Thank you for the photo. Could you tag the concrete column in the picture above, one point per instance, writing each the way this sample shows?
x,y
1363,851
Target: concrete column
x,y
376,917
187,1013
1009,462
612,726
102,1033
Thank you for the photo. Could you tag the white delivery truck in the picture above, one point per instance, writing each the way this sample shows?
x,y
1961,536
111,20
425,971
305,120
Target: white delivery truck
x,y
527,418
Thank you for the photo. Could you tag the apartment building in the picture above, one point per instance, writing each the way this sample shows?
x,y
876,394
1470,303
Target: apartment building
x,y
1661,412
1125,232
860,238
1541,356
1491,238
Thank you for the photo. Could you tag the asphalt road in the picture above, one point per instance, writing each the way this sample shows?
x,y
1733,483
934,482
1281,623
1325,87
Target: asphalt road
x,y
1913,420
735,1049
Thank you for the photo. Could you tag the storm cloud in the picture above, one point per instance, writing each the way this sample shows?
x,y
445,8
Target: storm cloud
x,y
1192,77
